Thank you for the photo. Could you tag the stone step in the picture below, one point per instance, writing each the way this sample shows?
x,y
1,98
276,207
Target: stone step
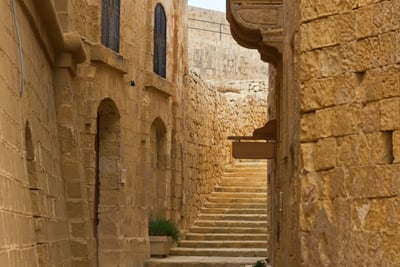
x,y
239,194
236,205
238,217
248,168
244,173
230,224
200,261
234,230
233,189
224,252
244,184
243,179
235,210
251,163
247,200
226,236
240,180
223,244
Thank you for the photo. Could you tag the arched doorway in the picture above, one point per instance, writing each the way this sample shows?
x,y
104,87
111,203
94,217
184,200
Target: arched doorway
x,y
159,178
107,181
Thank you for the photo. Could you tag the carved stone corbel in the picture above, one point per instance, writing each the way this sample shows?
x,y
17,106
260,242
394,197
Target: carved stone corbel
x,y
258,24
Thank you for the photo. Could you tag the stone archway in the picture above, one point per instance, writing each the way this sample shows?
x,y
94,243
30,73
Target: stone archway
x,y
158,182
107,181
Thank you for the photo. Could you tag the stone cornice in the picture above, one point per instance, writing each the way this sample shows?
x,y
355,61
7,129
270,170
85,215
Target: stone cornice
x,y
43,19
258,24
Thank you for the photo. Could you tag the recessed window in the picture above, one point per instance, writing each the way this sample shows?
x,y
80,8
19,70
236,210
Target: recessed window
x,y
110,13
160,42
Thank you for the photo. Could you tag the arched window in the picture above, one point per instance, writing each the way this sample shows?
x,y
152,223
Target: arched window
x,y
110,12
160,42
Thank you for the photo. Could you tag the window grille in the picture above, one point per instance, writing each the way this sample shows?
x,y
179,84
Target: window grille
x,y
160,42
110,20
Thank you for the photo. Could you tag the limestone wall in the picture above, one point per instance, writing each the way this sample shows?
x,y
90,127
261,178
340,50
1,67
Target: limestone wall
x,y
33,221
349,59
148,116
78,117
214,54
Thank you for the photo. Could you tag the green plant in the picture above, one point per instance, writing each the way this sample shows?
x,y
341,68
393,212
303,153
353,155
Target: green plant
x,y
261,263
164,227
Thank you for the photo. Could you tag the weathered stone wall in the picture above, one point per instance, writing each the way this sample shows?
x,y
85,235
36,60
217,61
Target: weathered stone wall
x,y
203,148
33,221
214,54
151,106
349,76
48,136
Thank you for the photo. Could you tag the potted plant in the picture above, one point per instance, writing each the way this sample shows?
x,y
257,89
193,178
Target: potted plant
x,y
163,234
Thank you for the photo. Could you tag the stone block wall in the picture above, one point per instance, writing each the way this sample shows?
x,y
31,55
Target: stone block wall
x,y
349,78
33,221
150,107
48,135
214,54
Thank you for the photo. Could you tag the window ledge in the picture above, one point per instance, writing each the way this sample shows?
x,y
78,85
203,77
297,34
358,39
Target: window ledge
x,y
107,56
154,82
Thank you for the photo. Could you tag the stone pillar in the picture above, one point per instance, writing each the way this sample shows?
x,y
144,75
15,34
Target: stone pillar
x,y
82,244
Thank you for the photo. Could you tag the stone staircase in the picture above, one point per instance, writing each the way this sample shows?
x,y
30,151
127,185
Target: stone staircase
x,y
232,226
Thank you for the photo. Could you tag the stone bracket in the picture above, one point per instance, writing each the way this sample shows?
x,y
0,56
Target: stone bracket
x,y
258,24
73,52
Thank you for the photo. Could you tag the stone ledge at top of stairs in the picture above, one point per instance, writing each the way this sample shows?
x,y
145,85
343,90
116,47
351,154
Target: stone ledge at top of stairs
x,y
200,261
